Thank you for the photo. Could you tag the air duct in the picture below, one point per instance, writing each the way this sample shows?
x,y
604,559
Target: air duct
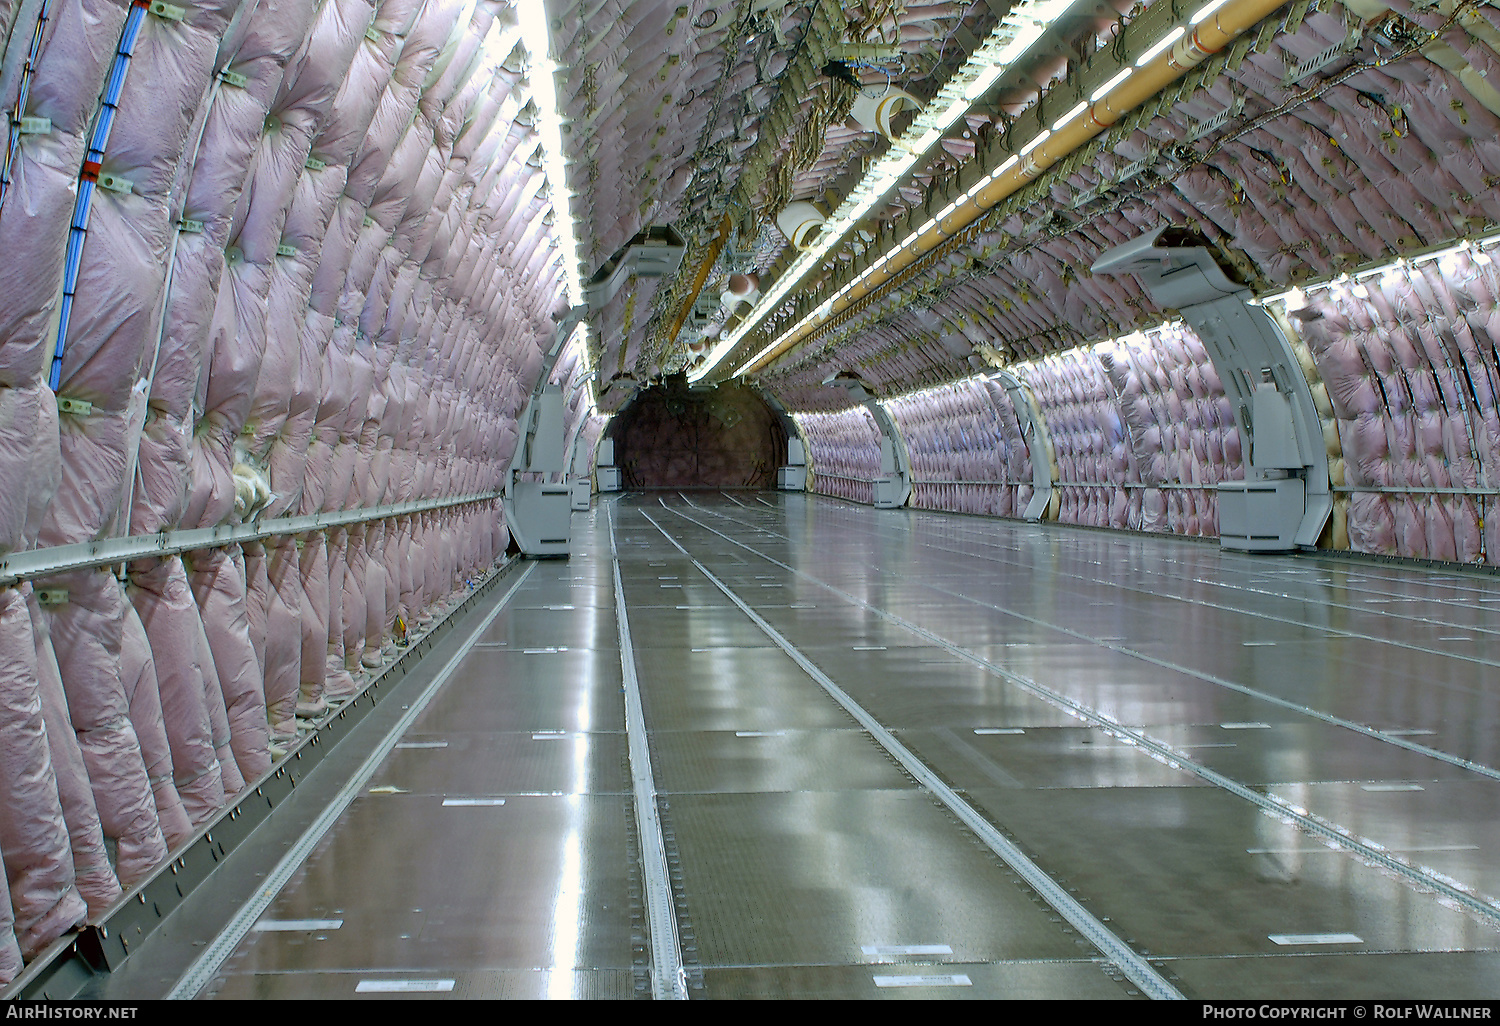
x,y
743,291
876,105
800,222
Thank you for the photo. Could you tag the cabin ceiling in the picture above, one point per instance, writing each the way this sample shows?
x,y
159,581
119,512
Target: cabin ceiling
x,y
711,116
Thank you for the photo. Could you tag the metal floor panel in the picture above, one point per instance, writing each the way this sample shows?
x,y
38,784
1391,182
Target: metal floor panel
x,y
539,882
461,762
1015,981
734,689
1414,975
538,625
1191,871
489,985
1306,753
1041,757
676,629
918,703
804,859
771,760
541,688
813,877
1452,826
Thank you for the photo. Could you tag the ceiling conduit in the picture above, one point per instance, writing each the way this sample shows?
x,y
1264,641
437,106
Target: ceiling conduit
x,y
1080,126
700,279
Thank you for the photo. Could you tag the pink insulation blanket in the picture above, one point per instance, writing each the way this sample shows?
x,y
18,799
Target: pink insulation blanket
x,y
959,437
1411,373
843,452
295,306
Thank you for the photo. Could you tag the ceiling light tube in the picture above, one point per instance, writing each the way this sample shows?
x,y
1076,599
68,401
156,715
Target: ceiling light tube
x,y
1020,30
1207,9
1082,106
1021,42
1439,254
977,88
1165,41
792,331
1109,86
540,74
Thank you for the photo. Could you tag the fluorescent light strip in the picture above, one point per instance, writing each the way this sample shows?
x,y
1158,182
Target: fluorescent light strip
x,y
1017,33
1034,24
1109,86
1439,254
982,83
974,190
540,72
1082,106
1166,41
1036,141
1207,9
1475,247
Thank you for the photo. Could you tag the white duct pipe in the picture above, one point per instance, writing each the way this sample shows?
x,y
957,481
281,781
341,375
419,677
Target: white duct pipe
x,y
876,105
743,291
800,222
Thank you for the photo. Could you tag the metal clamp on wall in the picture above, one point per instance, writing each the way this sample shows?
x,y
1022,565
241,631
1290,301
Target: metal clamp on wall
x,y
1285,498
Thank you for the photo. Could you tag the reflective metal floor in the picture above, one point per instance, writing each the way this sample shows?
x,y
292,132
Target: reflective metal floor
x,y
906,754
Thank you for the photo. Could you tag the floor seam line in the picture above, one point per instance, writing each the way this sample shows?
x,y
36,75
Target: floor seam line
x,y
668,976
1115,950
1477,903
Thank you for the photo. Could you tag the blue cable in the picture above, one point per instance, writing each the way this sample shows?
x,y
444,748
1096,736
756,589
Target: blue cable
x,y
22,95
88,179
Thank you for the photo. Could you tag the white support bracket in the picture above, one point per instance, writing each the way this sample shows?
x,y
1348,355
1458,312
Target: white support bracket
x,y
539,512
893,487
654,252
580,476
1038,443
793,475
1286,496
605,470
